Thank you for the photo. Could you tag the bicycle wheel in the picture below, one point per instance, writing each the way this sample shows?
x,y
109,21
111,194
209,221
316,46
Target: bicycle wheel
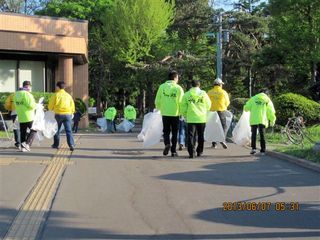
x,y
295,135
308,133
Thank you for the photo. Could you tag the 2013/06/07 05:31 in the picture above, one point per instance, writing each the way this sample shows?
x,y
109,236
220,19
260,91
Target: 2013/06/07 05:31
x,y
261,206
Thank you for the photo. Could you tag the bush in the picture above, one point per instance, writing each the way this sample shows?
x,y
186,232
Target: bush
x,y
290,105
80,105
237,104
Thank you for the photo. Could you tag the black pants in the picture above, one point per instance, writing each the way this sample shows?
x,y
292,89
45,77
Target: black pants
x,y
75,126
170,125
23,131
223,120
194,130
261,128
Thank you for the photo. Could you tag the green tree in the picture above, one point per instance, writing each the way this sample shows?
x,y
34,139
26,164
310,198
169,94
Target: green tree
x,y
133,26
295,31
247,38
98,58
22,6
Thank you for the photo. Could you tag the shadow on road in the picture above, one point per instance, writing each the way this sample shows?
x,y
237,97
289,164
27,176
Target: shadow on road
x,y
264,172
58,229
308,217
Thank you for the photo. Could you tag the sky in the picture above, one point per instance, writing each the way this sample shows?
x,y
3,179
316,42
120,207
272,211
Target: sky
x,y
225,4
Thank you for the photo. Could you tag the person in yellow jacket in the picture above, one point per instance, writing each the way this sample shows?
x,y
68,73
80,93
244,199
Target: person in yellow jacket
x,y
168,100
194,107
261,111
25,106
63,106
110,114
9,105
219,103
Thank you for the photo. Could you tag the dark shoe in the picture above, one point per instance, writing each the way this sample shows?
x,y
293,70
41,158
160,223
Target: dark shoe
x,y
193,155
71,148
174,154
17,145
262,153
224,145
181,147
166,150
53,146
199,154
214,145
253,151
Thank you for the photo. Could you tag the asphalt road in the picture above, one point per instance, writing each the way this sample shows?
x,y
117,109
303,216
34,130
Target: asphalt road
x,y
112,188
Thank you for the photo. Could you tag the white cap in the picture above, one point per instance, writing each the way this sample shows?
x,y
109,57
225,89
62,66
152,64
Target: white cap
x,y
218,81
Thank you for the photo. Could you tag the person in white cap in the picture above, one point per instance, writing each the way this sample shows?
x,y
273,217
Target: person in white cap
x,y
219,103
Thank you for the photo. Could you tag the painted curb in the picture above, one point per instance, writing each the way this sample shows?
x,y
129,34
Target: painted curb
x,y
299,161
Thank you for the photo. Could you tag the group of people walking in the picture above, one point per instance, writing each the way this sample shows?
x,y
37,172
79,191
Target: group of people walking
x,y
176,106
22,105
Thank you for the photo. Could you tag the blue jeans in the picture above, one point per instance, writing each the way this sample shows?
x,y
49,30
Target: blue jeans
x,y
66,121
182,132
111,126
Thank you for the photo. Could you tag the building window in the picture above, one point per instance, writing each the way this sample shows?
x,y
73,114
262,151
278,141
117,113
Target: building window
x,y
33,71
8,75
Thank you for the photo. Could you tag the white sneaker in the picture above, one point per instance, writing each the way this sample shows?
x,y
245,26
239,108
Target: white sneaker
x,y
24,150
26,146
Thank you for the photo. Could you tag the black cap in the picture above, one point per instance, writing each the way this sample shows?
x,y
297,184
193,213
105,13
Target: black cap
x,y
26,83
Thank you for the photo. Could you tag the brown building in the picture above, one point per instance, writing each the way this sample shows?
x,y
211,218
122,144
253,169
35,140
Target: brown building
x,y
43,50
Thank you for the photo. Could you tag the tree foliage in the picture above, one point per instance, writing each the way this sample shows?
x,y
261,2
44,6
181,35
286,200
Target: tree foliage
x,y
142,23
22,6
295,33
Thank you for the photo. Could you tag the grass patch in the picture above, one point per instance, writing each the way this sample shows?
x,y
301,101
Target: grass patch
x,y
281,143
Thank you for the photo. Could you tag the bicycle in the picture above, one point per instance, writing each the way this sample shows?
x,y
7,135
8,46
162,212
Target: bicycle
x,y
296,131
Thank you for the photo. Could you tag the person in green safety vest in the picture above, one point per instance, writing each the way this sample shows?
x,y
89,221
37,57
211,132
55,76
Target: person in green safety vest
x,y
262,112
194,108
110,115
130,113
168,99
25,106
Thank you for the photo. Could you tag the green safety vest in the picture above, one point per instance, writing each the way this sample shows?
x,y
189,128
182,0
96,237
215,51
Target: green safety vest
x,y
261,110
168,98
195,105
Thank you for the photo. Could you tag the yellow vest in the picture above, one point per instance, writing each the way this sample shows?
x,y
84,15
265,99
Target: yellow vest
x,y
219,99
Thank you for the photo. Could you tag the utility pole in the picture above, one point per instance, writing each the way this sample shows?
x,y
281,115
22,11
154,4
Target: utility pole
x,y
219,47
25,7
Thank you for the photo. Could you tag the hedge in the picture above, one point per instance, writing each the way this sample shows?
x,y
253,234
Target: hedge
x,y
79,104
289,105
237,104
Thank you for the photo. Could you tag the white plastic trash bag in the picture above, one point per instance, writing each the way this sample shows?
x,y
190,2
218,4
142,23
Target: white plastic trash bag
x,y
214,131
51,125
102,123
241,133
152,129
125,126
145,125
38,122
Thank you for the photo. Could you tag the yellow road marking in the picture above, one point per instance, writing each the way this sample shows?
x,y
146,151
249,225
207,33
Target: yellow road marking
x,y
31,215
